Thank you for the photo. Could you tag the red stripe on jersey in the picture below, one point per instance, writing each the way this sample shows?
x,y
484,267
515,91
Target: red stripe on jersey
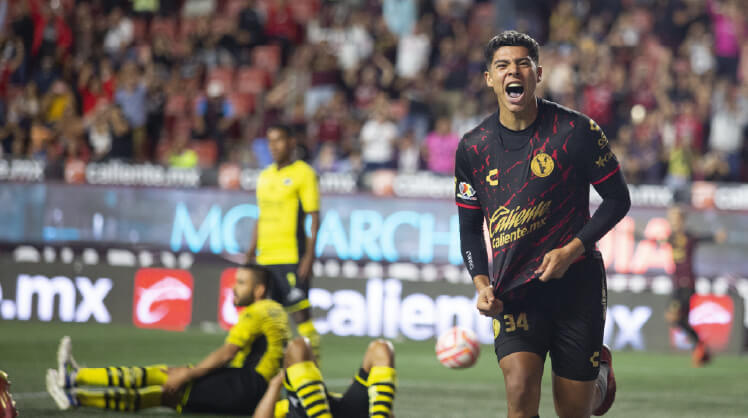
x,y
462,205
608,175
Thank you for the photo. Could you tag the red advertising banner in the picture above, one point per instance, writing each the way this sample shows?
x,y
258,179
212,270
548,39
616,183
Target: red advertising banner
x,y
228,314
162,299
711,316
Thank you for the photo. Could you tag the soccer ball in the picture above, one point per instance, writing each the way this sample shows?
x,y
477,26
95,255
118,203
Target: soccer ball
x,y
457,348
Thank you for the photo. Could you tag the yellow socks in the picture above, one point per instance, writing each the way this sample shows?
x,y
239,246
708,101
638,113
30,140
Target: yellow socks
x,y
382,383
307,330
120,399
306,380
126,377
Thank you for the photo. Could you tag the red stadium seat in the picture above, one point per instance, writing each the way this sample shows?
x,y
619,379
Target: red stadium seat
x,y
267,57
175,105
222,24
243,103
186,27
165,26
139,30
252,80
207,152
304,10
222,74
232,8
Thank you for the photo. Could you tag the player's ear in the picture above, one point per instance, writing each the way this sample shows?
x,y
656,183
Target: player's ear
x,y
540,73
488,78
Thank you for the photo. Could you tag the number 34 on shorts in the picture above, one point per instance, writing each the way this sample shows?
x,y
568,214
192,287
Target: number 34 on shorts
x,y
510,323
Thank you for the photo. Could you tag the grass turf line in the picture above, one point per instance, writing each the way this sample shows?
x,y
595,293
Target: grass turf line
x,y
650,384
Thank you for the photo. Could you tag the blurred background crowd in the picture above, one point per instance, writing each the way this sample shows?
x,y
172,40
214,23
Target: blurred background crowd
x,y
366,84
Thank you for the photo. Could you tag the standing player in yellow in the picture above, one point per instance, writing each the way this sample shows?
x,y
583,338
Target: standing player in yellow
x,y
230,380
287,191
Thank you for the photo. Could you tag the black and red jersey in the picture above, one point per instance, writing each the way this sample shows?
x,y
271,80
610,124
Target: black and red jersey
x,y
533,192
684,246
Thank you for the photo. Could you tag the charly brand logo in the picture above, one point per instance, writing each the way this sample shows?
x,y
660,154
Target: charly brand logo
x,y
163,298
510,225
493,177
542,165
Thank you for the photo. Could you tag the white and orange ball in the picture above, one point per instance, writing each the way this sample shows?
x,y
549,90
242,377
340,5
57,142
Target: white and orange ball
x,y
457,348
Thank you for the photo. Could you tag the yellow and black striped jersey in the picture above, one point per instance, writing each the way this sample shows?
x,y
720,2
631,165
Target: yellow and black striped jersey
x,y
284,196
262,333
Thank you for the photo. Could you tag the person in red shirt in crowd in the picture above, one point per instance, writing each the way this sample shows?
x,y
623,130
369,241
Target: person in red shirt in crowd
x,y
51,32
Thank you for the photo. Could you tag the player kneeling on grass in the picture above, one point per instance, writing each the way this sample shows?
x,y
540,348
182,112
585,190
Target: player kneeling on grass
x,y
230,380
371,394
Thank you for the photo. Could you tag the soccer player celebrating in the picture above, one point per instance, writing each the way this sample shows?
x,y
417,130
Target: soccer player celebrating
x,y
526,169
371,394
230,380
684,284
287,191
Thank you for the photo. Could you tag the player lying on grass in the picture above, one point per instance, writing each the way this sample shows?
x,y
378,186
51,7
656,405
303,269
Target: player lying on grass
x,y
371,394
230,380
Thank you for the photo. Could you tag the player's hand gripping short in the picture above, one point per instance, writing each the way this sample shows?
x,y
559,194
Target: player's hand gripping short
x,y
556,262
488,304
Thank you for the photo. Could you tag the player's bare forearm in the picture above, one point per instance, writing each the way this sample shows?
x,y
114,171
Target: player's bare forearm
x,y
481,281
252,251
218,358
266,407
305,264
556,262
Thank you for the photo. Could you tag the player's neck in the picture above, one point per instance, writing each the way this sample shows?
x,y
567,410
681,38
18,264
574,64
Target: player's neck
x,y
518,121
283,163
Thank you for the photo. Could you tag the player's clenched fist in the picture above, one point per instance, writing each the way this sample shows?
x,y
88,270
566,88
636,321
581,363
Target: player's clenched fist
x,y
488,304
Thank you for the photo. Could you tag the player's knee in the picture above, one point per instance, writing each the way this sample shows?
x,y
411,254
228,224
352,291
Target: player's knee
x,y
522,390
379,353
297,351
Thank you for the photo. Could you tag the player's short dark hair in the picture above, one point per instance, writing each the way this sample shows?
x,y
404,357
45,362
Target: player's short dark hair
x,y
511,38
262,273
285,129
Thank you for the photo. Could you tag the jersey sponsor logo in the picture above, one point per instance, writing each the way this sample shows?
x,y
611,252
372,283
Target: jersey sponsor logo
x,y
162,299
228,313
466,192
507,225
287,182
542,165
493,177
603,159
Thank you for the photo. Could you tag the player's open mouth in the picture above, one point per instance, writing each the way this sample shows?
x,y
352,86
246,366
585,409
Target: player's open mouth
x,y
515,92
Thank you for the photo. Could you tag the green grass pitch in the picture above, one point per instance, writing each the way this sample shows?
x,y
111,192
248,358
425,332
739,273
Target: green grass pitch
x,y
649,385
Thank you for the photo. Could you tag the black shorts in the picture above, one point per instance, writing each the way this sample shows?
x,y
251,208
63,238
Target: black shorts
x,y
680,302
227,390
286,289
565,317
354,403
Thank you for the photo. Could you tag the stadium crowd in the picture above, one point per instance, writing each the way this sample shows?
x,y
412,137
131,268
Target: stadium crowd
x,y
366,84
